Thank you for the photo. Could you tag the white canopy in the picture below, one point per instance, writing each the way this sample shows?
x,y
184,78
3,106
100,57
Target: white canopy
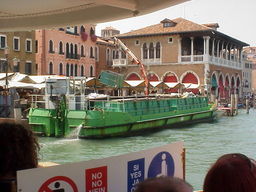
x,y
135,83
15,84
172,85
191,86
16,15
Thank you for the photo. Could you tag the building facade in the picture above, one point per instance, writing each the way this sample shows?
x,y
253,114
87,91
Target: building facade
x,y
18,50
250,54
205,60
71,51
109,32
247,76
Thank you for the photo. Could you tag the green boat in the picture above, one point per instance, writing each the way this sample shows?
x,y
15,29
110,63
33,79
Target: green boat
x,y
66,110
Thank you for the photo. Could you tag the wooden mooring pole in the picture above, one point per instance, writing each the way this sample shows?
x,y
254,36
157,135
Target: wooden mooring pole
x,y
232,104
247,105
236,104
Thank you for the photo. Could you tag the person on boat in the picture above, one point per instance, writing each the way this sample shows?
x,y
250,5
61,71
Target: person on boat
x,y
164,184
19,150
231,173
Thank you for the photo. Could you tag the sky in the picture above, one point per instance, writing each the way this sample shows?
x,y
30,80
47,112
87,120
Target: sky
x,y
236,18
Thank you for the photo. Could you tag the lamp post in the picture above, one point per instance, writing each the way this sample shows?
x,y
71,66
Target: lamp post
x,y
6,53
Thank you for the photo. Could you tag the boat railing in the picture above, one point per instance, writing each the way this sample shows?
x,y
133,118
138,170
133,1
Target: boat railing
x,y
124,104
36,101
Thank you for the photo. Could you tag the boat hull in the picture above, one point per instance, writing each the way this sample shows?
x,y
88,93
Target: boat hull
x,y
146,126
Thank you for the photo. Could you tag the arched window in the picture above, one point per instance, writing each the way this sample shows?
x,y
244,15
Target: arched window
x,y
51,46
76,52
133,77
75,70
75,29
108,56
92,32
117,54
91,52
82,71
152,77
60,48
60,69
71,51
71,70
91,71
158,50
50,68
82,51
114,54
67,50
96,53
67,70
123,55
82,29
190,78
145,51
151,51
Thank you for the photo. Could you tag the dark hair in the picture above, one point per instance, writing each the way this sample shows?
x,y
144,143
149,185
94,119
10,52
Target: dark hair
x,y
164,184
231,173
18,148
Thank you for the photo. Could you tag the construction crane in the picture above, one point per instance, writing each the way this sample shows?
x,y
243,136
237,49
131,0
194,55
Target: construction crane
x,y
134,60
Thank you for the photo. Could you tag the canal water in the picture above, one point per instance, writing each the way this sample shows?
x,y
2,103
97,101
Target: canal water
x,y
204,143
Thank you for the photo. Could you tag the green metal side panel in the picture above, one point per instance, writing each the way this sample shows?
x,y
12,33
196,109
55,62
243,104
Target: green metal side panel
x,y
148,125
74,120
42,121
103,132
106,118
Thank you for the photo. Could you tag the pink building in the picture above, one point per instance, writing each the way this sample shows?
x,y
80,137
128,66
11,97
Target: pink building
x,y
70,52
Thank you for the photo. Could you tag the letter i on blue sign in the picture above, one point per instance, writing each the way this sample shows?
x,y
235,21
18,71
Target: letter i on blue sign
x,y
135,173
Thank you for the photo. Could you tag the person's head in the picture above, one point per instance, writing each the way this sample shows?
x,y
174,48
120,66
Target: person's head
x,y
18,148
231,173
164,184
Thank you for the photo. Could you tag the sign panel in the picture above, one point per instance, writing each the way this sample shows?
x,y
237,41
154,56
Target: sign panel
x,y
135,173
96,179
113,174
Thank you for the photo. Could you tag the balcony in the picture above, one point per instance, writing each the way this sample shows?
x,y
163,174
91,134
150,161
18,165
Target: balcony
x,y
153,61
72,56
120,62
197,59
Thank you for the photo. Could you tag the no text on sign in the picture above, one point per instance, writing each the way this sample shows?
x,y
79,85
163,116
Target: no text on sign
x,y
54,185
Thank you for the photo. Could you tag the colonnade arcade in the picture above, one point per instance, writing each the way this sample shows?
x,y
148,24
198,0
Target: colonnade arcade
x,y
171,80
199,47
224,85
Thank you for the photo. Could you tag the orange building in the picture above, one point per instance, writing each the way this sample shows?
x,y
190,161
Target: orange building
x,y
71,51
181,51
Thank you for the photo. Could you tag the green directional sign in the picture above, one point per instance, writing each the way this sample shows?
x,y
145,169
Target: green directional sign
x,y
112,79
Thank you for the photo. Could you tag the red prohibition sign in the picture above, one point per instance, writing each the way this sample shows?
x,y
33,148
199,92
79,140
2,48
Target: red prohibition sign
x,y
45,186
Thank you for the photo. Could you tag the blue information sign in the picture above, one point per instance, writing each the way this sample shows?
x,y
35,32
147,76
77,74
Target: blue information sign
x,y
135,173
161,165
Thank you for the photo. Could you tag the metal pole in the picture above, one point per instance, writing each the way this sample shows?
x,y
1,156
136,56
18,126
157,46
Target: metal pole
x,y
6,74
7,109
6,52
